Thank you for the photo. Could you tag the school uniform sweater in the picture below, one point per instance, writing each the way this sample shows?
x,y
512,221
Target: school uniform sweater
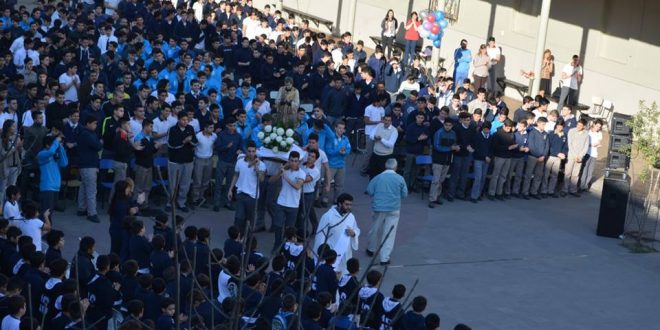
x,y
557,144
538,143
501,143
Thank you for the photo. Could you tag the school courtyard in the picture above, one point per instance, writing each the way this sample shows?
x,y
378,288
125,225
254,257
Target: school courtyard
x,y
515,264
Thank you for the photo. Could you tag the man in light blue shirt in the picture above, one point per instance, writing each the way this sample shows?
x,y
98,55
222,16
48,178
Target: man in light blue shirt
x,y
386,190
462,60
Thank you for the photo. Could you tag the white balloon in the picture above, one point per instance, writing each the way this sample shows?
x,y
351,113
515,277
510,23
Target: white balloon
x,y
424,33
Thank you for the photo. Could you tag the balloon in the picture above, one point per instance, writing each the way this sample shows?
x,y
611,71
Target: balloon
x,y
427,26
436,43
435,29
434,37
443,23
430,18
439,15
423,14
424,33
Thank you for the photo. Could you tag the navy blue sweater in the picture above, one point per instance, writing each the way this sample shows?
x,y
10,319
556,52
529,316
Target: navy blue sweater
x,y
482,147
413,132
557,144
538,143
464,138
88,146
501,143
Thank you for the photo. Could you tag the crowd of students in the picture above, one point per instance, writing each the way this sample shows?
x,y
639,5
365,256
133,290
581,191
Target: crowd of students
x,y
174,95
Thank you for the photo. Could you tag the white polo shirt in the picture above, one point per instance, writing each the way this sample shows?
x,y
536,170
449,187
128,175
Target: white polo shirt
x,y
315,173
32,228
163,126
247,177
290,197
374,114
204,147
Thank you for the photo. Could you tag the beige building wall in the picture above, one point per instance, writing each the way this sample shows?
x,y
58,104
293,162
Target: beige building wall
x,y
618,39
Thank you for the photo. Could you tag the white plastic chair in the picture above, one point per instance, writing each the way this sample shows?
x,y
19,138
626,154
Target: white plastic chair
x,y
308,107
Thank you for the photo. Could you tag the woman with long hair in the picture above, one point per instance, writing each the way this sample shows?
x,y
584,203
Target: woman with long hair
x,y
481,63
412,35
388,32
547,69
121,206
11,147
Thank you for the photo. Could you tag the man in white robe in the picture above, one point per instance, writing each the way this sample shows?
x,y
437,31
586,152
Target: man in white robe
x,y
339,230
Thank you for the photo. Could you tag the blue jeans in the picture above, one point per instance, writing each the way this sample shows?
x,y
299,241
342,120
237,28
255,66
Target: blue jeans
x,y
409,52
284,217
224,172
480,171
459,173
244,211
459,76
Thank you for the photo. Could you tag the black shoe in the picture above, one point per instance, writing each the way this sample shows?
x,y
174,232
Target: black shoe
x,y
525,197
500,197
259,229
431,205
555,195
183,209
473,200
81,213
574,194
216,209
384,263
93,218
491,197
562,194
536,197
438,201
449,198
370,253
460,198
515,195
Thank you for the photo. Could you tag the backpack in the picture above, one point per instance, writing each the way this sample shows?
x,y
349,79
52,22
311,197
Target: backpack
x,y
281,321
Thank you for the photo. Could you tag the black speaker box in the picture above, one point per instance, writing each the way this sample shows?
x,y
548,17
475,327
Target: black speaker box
x,y
618,126
618,142
618,161
613,206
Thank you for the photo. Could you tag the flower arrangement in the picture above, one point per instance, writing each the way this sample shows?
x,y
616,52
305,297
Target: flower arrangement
x,y
277,139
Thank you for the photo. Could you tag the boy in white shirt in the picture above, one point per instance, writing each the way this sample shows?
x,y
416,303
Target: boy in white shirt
x,y
292,177
595,140
31,225
313,174
203,168
249,171
11,210
17,309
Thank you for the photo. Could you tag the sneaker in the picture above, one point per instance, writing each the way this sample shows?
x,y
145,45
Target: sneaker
x,y
431,206
370,253
183,209
93,218
384,263
81,213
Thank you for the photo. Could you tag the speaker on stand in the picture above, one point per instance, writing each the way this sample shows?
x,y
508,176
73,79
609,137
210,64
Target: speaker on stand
x,y
616,182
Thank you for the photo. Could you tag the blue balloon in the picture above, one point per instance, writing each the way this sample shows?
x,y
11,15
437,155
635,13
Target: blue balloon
x,y
439,15
434,37
436,43
443,24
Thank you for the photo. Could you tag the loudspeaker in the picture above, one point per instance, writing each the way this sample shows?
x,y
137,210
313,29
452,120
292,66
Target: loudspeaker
x,y
618,142
613,206
618,126
618,161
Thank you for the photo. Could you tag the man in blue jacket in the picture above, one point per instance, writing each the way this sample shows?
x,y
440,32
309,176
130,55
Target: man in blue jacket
x,y
538,151
462,60
483,153
557,151
50,159
88,147
338,148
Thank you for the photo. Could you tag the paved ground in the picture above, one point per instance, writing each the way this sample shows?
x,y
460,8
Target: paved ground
x,y
495,265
